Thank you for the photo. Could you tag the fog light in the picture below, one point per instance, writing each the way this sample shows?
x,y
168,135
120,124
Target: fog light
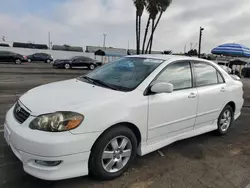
x,y
48,163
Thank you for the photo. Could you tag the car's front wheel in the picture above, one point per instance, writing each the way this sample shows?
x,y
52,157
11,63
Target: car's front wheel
x,y
113,152
225,120
67,66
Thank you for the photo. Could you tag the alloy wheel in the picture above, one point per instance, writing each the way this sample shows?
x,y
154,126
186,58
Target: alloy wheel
x,y
116,154
67,66
92,67
17,61
225,120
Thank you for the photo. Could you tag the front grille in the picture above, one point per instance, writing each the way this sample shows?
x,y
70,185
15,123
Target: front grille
x,y
20,113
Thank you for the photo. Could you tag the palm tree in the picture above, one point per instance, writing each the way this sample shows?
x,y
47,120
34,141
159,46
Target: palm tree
x,y
152,14
162,6
139,4
152,10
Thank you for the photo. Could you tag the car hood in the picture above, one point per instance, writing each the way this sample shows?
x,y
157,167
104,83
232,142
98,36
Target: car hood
x,y
65,95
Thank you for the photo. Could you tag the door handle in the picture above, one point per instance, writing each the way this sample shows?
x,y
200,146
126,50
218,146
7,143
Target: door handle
x,y
192,95
223,89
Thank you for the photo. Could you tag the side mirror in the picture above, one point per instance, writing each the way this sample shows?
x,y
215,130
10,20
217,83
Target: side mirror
x,y
162,87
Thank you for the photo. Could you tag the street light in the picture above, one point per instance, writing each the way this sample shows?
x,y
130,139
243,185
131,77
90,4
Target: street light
x,y
104,40
199,53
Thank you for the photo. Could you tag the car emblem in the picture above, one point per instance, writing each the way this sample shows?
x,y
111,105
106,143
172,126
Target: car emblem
x,y
18,109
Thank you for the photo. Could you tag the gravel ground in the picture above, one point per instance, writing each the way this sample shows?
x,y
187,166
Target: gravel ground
x,y
200,162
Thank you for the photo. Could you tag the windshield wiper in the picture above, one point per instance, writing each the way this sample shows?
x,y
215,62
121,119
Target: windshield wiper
x,y
99,82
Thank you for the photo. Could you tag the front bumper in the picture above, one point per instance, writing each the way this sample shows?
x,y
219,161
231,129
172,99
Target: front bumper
x,y
30,145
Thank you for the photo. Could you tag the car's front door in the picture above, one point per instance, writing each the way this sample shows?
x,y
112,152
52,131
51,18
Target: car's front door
x,y
42,57
8,56
2,56
76,62
171,114
212,91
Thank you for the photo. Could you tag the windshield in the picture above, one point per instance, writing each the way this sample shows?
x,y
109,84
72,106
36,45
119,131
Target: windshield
x,y
126,73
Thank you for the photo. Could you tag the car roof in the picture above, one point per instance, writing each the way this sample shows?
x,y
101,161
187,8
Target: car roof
x,y
166,57
82,56
41,53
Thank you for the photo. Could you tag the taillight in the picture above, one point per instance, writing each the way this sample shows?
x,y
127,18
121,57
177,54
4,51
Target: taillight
x,y
25,57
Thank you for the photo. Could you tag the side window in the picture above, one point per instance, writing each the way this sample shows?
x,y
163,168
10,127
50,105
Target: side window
x,y
77,59
179,74
83,58
206,74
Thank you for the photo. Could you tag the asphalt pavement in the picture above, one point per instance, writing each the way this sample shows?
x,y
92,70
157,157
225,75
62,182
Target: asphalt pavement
x,y
200,162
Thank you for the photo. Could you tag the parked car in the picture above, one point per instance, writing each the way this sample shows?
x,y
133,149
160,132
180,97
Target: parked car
x,y
78,61
99,122
246,72
226,68
7,56
47,58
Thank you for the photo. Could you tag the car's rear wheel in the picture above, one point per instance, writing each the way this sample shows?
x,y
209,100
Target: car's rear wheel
x,y
113,152
225,120
92,67
29,60
67,66
48,61
17,61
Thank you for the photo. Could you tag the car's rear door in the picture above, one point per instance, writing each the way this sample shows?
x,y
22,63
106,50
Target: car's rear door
x,y
212,92
172,114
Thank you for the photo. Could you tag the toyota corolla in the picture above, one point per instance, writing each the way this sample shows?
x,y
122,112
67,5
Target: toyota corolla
x,y
96,124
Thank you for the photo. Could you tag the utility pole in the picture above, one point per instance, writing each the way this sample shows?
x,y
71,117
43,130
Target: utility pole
x,y
195,45
104,40
49,40
199,52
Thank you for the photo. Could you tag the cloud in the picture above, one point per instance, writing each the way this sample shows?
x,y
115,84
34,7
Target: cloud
x,y
83,22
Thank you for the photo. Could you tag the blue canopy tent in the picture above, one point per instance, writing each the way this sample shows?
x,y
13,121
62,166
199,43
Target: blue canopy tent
x,y
235,50
232,49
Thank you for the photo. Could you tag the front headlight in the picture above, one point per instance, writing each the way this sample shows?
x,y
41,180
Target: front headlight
x,y
57,122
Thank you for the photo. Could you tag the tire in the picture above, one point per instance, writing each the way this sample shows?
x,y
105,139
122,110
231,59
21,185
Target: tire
x,y
67,66
223,127
91,67
47,61
97,162
29,60
17,61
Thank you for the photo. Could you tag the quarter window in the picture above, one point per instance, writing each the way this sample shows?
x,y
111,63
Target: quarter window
x,y
179,74
206,74
220,79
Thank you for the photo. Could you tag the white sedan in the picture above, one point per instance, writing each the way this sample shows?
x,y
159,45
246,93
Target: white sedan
x,y
96,124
